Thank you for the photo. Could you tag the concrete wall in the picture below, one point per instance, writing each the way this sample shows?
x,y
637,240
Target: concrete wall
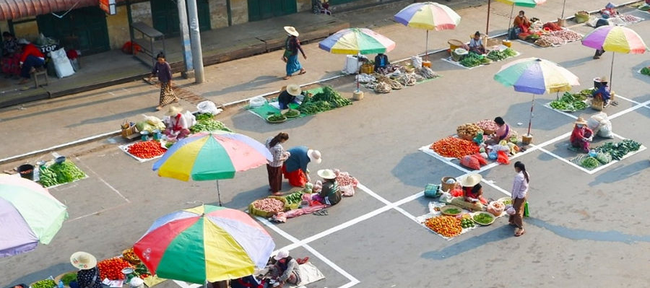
x,y
303,5
118,28
141,12
218,14
239,10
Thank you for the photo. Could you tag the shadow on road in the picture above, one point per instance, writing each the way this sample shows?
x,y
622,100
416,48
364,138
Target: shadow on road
x,y
475,242
621,173
575,62
579,234
53,271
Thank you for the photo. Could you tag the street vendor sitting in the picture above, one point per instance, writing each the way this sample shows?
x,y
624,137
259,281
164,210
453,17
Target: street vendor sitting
x,y
472,193
581,135
178,126
602,93
476,44
502,133
330,193
246,282
286,269
609,11
521,24
289,96
381,63
295,167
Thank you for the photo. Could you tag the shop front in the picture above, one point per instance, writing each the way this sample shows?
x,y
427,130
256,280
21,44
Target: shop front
x,y
83,29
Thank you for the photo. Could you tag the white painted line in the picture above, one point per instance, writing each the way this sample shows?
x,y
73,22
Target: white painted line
x,y
186,285
373,194
407,214
627,99
565,160
491,184
548,105
103,181
345,224
97,212
621,113
409,199
353,280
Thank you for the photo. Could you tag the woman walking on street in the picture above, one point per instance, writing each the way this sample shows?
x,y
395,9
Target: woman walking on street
x,y
274,168
519,191
290,56
164,73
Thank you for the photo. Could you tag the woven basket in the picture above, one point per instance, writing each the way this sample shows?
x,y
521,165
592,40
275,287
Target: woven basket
x,y
581,17
253,211
447,187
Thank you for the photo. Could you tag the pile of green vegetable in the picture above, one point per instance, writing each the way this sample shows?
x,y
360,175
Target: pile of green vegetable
x,y
47,283
276,118
472,60
326,100
570,102
466,223
645,71
483,218
496,55
67,278
292,113
204,116
617,150
294,198
59,174
207,125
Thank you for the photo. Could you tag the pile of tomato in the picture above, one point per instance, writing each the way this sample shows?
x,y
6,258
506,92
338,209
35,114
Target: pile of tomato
x,y
447,226
453,147
112,268
146,149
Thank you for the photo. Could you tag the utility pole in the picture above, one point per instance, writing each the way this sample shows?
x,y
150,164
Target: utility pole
x,y
195,36
185,40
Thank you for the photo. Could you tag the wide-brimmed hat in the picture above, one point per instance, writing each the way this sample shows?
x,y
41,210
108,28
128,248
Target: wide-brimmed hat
x,y
83,260
291,30
581,121
326,174
23,41
294,90
471,180
604,79
174,110
314,156
281,254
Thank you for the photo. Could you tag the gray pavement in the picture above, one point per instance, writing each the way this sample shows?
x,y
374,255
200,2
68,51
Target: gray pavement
x,y
587,229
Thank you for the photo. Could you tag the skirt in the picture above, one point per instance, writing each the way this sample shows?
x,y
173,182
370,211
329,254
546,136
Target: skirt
x,y
293,65
166,94
296,178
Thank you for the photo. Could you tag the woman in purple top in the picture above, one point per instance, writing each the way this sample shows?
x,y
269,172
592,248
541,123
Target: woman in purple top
x,y
164,73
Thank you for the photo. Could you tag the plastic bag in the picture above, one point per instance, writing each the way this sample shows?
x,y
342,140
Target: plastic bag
x,y
481,160
502,157
347,190
62,64
456,192
416,61
510,210
492,155
210,107
496,208
446,197
606,130
256,102
470,162
190,119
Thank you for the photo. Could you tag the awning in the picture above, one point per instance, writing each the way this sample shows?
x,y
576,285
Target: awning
x,y
16,9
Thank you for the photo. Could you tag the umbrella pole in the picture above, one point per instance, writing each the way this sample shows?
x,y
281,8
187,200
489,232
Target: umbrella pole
x,y
357,77
563,6
512,10
557,95
530,119
487,25
426,47
611,72
219,193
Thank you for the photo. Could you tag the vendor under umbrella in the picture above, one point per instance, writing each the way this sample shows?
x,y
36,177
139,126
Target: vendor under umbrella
x,y
602,92
472,193
295,167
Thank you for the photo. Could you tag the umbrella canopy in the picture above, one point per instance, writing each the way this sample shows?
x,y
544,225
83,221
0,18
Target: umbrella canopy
x,y
211,156
352,41
523,3
617,39
204,243
537,76
28,214
429,16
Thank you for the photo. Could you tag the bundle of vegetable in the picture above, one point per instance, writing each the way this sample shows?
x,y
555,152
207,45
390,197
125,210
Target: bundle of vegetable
x,y
294,198
112,268
276,118
66,172
569,102
292,113
618,150
603,158
67,278
146,149
590,163
447,226
645,71
487,125
407,79
568,35
331,96
383,87
496,55
141,271
47,177
207,125
313,107
269,205
204,116
472,60
427,73
47,283
453,147
468,130
510,52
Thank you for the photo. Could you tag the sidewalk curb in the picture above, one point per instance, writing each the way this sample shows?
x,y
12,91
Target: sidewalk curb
x,y
118,132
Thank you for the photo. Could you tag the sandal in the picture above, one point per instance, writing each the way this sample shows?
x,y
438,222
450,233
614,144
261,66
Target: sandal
x,y
286,77
520,232
303,71
277,194
158,108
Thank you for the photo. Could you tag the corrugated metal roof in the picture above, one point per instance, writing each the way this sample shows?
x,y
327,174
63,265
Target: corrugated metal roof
x,y
16,9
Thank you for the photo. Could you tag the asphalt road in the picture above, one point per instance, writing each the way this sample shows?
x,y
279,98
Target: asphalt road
x,y
586,230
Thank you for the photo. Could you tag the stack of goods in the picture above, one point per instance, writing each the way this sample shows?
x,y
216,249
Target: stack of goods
x,y
150,124
488,126
571,102
400,78
59,173
205,122
111,269
551,26
146,149
267,207
326,100
468,131
548,40
453,147
629,19
447,226
140,270
347,183
567,35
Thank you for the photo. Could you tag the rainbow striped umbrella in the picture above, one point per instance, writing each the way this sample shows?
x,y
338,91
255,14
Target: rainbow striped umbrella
x,y
28,215
212,156
536,76
615,39
204,244
429,16
352,41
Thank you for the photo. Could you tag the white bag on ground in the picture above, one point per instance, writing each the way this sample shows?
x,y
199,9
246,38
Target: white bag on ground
x,y
606,129
62,64
190,119
256,102
352,65
416,61
208,107
600,125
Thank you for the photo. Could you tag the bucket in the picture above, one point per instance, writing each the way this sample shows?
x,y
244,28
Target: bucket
x,y
506,43
426,63
447,187
527,139
454,43
26,171
144,135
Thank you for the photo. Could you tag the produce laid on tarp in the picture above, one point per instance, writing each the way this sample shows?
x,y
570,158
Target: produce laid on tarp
x,y
403,76
571,102
111,269
452,147
205,122
488,126
323,101
449,221
447,226
468,131
144,150
606,153
59,173
472,59
268,206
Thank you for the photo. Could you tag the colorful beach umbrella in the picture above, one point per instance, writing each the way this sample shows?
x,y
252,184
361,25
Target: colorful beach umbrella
x,y
209,156
28,215
428,16
536,76
617,39
352,41
204,244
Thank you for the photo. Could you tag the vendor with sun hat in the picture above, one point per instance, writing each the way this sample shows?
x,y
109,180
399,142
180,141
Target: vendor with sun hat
x,y
88,274
472,193
290,56
295,167
330,193
178,126
288,96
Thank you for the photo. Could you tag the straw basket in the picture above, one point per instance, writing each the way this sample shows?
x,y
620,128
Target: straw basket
x,y
454,43
581,17
447,187
253,211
